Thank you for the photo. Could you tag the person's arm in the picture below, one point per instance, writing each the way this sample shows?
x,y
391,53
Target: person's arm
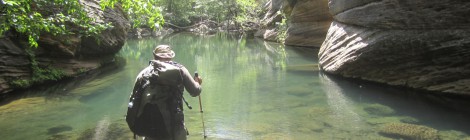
x,y
191,85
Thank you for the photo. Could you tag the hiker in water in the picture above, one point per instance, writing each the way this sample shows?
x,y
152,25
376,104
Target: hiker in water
x,y
171,107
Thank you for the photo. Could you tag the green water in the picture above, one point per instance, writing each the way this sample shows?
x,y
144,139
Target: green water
x,y
252,90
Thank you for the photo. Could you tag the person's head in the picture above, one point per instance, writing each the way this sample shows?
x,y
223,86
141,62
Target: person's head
x,y
163,52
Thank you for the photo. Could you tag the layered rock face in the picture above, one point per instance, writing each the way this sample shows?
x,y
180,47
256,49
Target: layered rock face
x,y
308,21
110,40
71,54
423,44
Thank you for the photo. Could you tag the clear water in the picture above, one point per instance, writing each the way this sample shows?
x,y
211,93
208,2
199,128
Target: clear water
x,y
252,90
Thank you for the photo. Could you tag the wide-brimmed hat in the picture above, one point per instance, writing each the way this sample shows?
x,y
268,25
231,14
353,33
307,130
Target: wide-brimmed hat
x,y
163,51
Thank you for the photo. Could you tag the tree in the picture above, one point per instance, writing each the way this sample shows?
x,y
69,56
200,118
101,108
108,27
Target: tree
x,y
30,18
140,12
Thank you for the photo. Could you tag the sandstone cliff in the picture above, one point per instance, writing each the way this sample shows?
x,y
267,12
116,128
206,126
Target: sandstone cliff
x,y
69,54
308,21
423,44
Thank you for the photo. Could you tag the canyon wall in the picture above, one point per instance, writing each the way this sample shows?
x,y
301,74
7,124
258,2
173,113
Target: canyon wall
x,y
422,44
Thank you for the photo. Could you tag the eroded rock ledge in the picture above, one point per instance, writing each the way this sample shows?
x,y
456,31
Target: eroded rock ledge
x,y
423,44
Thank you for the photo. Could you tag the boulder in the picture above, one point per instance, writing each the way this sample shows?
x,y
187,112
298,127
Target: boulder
x,y
111,40
409,131
423,44
402,14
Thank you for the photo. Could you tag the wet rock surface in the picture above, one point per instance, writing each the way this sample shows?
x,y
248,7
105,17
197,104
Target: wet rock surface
x,y
409,131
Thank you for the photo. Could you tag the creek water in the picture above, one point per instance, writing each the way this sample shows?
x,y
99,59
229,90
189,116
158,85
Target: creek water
x,y
251,90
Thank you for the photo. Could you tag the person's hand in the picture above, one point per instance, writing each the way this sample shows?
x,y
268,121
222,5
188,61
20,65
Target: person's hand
x,y
198,79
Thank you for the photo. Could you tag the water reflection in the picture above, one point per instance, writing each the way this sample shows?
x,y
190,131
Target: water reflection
x,y
344,113
252,90
373,106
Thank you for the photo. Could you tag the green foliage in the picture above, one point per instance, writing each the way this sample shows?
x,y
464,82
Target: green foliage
x,y
21,83
240,11
179,11
248,10
33,17
62,17
38,74
212,9
141,12
282,28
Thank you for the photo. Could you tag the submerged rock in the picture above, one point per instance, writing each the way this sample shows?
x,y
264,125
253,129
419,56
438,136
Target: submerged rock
x,y
453,135
319,112
409,131
114,131
379,110
276,136
408,119
59,129
382,120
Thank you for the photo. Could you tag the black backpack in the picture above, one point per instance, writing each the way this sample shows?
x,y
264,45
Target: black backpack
x,y
150,104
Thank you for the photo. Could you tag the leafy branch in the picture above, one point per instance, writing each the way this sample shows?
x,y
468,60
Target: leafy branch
x,y
30,18
141,12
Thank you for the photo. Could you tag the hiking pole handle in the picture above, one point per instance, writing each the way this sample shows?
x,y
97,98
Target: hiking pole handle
x,y
196,75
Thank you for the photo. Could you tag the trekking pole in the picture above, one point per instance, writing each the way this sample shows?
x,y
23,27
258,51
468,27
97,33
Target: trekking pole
x,y
200,109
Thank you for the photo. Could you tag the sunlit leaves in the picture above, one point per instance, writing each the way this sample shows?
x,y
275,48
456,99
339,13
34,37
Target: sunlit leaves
x,y
34,17
281,28
223,10
248,10
140,12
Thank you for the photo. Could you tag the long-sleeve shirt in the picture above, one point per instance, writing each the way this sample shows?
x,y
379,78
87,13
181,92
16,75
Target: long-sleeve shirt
x,y
189,83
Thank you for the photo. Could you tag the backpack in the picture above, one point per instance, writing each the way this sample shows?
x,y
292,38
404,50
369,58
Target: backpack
x,y
150,104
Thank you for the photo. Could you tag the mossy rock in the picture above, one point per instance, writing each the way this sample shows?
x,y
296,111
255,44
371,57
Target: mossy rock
x,y
257,127
319,112
299,91
453,135
385,120
58,129
61,136
409,131
378,109
276,136
408,119
382,120
114,131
